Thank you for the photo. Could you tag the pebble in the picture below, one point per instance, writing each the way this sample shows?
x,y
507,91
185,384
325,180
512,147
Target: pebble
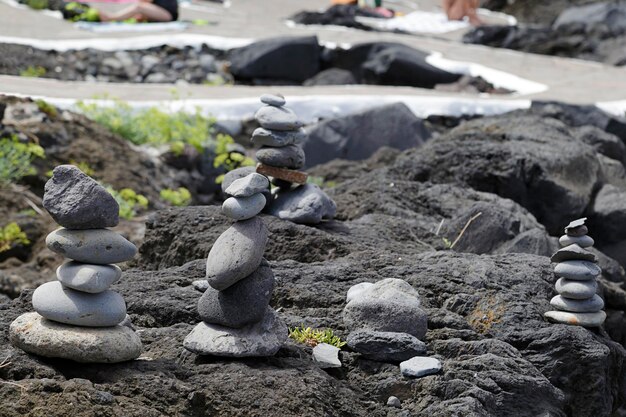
x,y
32,333
306,204
243,208
273,100
93,246
357,289
589,305
290,156
394,402
577,226
64,305
573,252
277,138
577,231
283,174
386,346
259,339
278,118
248,185
201,285
420,366
326,356
579,319
241,304
76,201
577,290
237,253
88,277
582,241
577,270
235,174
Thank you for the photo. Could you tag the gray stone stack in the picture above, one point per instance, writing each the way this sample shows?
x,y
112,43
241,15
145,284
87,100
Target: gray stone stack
x,y
77,317
577,269
236,318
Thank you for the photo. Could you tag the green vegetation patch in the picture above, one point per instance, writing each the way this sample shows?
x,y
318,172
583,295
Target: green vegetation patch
x,y
176,198
313,337
16,159
12,235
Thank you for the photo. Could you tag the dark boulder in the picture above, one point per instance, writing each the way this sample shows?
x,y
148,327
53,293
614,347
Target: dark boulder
x,y
339,14
332,76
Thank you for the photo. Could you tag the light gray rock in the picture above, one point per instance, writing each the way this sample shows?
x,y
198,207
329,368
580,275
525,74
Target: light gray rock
x,y
420,366
273,100
243,208
264,338
390,305
590,305
243,303
582,241
92,246
577,270
577,290
394,402
290,156
42,337
89,278
278,118
576,226
64,305
237,253
235,174
357,289
576,319
277,138
248,185
306,204
386,346
573,252
76,201
201,285
326,356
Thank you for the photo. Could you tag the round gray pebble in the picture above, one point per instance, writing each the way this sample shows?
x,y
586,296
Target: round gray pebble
x,y
277,138
590,305
278,118
577,290
290,156
577,270
582,241
248,185
243,208
89,278
92,246
273,100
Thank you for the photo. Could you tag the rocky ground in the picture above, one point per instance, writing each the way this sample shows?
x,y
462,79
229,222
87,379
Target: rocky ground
x,y
528,173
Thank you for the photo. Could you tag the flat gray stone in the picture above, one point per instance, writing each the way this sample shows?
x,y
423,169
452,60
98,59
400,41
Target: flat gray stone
x,y
237,253
357,289
277,138
290,156
582,241
76,201
243,208
577,231
577,270
278,118
326,356
573,252
420,366
92,246
306,204
390,305
241,304
589,305
576,224
273,100
248,185
577,290
386,346
55,302
235,174
89,278
34,334
394,402
264,338
201,285
576,319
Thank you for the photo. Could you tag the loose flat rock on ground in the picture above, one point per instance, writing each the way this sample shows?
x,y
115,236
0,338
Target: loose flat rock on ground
x,y
95,246
385,346
420,366
327,356
306,204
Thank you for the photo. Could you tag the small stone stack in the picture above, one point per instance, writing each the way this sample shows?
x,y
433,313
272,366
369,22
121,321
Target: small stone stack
x,y
78,317
577,269
236,318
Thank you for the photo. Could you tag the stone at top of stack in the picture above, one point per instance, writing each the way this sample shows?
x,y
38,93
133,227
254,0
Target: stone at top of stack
x,y
236,318
78,317
577,269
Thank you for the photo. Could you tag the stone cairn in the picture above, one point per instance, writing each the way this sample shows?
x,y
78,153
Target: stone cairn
x,y
577,269
77,317
236,318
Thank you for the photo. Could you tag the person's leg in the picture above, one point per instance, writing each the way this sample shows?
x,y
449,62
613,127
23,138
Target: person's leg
x,y
472,5
140,11
455,9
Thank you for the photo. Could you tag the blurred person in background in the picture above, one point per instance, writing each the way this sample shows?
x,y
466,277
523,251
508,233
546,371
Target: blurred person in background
x,y
145,11
459,9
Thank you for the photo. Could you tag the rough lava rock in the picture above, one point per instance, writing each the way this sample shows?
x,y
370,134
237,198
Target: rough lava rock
x,y
306,204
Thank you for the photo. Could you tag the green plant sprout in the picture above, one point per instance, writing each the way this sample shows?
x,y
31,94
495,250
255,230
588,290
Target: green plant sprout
x,y
228,160
12,235
47,108
129,201
33,72
16,159
176,198
313,337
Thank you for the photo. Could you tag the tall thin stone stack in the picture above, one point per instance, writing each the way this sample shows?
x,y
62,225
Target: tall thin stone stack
x,y
577,269
236,318
77,317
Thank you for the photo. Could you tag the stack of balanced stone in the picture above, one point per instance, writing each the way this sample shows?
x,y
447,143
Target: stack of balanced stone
x,y
281,136
236,318
577,269
77,317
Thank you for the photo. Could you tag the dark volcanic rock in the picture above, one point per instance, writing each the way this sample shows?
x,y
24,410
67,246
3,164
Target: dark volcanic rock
x,y
339,14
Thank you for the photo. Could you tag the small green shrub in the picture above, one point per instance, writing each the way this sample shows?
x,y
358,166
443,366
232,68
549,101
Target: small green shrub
x,y
37,4
47,108
33,72
12,235
176,198
226,159
16,159
129,201
313,337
